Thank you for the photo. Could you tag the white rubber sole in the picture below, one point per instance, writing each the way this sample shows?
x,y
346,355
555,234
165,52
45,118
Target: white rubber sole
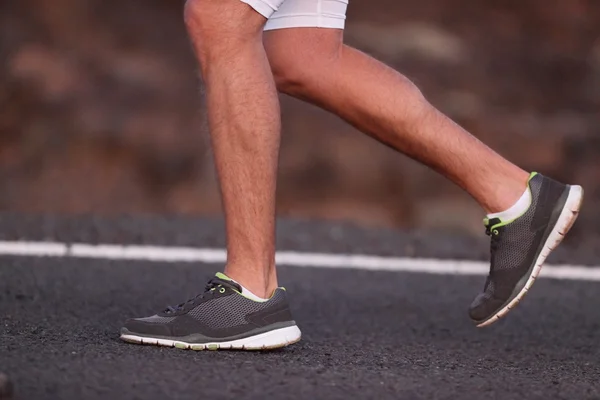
x,y
563,225
265,341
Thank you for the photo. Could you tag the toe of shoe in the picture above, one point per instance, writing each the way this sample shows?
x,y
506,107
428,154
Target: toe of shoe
x,y
136,326
484,307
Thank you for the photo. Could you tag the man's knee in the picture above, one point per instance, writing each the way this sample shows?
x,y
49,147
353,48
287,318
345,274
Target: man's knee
x,y
220,24
291,77
298,66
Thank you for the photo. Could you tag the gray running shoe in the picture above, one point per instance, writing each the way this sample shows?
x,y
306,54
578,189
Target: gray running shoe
x,y
519,247
220,318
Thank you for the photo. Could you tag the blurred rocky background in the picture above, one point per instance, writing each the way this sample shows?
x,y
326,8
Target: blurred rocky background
x,y
101,112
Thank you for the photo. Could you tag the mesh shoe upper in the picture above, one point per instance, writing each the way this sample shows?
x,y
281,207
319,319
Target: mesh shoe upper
x,y
221,311
515,246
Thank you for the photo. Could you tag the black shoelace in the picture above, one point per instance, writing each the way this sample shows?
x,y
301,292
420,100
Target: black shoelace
x,y
495,239
209,290
495,235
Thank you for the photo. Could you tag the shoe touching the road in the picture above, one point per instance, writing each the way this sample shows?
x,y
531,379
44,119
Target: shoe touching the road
x,y
219,318
520,246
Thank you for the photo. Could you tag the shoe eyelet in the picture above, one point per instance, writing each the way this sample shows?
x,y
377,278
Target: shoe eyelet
x,y
496,232
222,290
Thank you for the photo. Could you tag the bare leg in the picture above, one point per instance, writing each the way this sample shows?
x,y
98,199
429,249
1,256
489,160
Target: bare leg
x,y
244,123
386,105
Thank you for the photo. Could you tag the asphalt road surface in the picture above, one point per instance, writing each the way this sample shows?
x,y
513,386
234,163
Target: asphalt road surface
x,y
367,335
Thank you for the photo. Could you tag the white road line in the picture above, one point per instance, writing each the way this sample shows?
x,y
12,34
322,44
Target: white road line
x,y
289,258
33,249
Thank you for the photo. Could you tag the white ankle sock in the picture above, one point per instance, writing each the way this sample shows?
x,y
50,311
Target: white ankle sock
x,y
251,295
516,210
248,293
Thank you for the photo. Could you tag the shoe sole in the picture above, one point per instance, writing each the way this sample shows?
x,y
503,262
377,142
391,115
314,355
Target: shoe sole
x,y
564,223
274,339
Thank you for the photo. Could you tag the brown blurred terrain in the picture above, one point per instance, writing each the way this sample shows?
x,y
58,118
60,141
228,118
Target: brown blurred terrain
x,y
101,111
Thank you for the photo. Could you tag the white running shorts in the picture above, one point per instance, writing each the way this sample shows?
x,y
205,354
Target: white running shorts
x,y
301,13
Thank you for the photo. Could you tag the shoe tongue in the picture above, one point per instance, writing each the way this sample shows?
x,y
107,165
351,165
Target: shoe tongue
x,y
229,281
487,222
221,275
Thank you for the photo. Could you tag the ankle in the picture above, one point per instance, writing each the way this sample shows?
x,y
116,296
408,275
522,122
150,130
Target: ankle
x,y
253,280
506,194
